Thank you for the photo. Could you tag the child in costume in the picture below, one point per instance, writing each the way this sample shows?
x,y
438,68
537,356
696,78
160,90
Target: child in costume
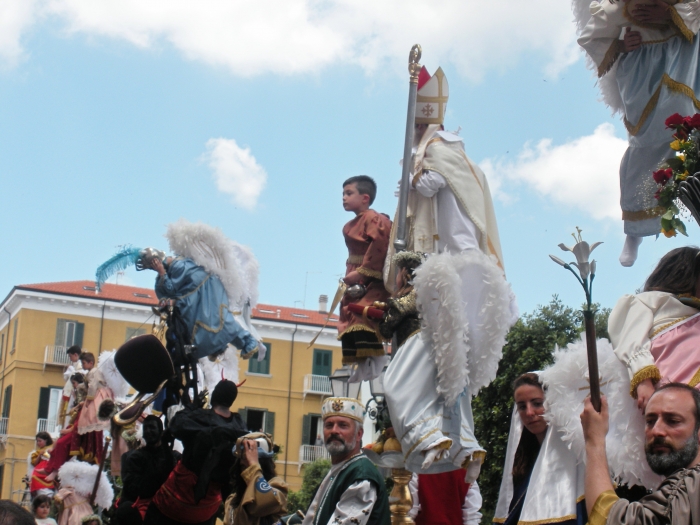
x,y
367,239
36,465
656,333
90,428
41,505
68,399
77,483
645,54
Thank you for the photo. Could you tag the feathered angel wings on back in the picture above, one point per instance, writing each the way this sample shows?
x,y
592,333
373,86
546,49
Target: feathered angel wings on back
x,y
231,262
607,84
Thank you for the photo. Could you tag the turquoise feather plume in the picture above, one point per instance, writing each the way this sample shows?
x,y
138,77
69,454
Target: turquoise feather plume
x,y
121,260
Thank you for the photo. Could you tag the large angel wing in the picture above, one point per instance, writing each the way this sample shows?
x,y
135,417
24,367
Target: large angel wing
x,y
567,385
224,367
113,377
231,262
609,91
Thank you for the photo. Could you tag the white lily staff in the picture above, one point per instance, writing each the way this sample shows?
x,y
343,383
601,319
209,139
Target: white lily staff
x,y
586,270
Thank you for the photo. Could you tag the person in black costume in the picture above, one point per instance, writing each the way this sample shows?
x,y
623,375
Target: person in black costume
x,y
144,470
194,489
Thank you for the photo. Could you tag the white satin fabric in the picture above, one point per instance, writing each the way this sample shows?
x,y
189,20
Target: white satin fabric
x,y
456,231
634,320
556,483
418,413
355,505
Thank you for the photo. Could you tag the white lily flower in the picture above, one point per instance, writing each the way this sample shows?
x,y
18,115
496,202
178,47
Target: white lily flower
x,y
582,250
557,260
593,267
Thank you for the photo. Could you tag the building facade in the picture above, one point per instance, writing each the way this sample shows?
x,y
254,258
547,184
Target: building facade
x,y
281,395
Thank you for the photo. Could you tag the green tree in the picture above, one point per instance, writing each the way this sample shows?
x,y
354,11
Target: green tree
x,y
313,476
529,347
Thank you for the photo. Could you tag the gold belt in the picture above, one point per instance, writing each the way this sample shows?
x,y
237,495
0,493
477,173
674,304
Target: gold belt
x,y
356,259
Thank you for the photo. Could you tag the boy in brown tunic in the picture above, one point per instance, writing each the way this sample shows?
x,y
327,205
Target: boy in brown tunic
x,y
367,239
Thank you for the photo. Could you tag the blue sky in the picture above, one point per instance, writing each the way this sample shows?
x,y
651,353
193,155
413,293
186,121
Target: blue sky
x,y
116,120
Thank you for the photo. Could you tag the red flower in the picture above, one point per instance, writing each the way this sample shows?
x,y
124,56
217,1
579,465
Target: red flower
x,y
663,176
693,122
674,121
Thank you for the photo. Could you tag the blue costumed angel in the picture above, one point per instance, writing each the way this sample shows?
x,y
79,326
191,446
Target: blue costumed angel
x,y
212,281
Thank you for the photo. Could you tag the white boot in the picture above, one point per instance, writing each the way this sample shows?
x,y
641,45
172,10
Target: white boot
x,y
629,250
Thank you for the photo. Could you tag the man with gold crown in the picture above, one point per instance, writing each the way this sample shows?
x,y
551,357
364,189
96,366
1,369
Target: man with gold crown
x,y
353,491
465,302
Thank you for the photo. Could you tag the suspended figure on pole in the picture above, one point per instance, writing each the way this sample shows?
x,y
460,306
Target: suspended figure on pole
x,y
207,292
446,218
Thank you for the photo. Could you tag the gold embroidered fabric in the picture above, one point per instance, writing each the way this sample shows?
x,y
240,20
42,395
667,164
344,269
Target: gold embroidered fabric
x,y
601,509
676,87
369,273
356,259
642,215
680,24
648,372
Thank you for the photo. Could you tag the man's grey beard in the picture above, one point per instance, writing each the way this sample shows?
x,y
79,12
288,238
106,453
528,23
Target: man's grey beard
x,y
667,463
337,448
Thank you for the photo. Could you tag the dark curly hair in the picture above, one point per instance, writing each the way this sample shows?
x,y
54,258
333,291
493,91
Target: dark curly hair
x,y
677,272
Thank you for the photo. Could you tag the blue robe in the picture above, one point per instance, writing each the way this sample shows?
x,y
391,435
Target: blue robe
x,y
203,304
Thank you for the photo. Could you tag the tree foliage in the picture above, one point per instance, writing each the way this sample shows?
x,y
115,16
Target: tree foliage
x,y
529,347
313,476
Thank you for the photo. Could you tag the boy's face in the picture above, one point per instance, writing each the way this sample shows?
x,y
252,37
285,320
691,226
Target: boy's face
x,y
353,200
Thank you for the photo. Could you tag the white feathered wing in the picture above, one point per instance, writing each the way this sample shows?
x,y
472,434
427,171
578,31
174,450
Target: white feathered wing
x,y
566,382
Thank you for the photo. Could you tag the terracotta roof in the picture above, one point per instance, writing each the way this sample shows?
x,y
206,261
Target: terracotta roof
x,y
109,292
292,315
147,296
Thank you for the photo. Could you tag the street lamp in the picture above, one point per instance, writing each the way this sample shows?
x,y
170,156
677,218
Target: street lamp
x,y
341,386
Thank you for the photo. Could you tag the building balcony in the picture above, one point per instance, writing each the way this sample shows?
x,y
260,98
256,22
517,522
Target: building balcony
x,y
314,384
310,453
56,355
47,425
3,426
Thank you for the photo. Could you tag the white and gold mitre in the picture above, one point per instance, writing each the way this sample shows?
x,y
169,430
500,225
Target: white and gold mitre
x,y
431,99
343,406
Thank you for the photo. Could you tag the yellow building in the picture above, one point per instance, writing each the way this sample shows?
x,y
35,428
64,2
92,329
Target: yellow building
x,y
282,394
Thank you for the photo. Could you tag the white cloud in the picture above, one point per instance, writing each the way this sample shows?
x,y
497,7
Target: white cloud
x,y
581,174
252,37
16,16
236,171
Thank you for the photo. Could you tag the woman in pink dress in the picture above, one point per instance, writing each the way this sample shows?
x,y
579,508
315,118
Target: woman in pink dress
x,y
656,333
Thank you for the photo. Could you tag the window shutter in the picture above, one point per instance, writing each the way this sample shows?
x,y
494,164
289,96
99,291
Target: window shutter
x,y
322,362
14,335
7,401
244,416
306,431
270,423
78,337
60,332
44,394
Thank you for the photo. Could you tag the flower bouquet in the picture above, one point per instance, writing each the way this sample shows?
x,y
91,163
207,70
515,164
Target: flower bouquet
x,y
676,177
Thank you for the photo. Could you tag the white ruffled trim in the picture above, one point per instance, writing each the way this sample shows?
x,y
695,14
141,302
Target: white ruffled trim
x,y
440,284
566,382
80,476
115,381
231,262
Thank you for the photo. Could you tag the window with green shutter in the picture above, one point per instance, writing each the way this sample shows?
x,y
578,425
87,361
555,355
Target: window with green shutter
x,y
312,430
69,333
258,419
323,361
7,401
260,367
